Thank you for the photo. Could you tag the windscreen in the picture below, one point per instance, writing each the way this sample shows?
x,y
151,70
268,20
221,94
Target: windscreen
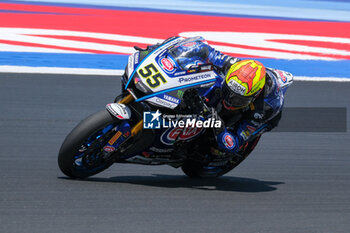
x,y
190,52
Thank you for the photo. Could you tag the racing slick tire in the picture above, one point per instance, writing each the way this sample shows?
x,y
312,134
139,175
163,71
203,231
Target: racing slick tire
x,y
75,164
195,169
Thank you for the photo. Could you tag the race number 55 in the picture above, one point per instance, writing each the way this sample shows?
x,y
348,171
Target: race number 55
x,y
152,76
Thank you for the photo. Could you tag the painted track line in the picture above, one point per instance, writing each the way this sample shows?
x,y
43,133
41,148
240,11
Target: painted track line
x,y
86,71
321,79
59,70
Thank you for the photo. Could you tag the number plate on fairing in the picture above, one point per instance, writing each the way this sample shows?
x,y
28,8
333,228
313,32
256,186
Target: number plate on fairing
x,y
154,77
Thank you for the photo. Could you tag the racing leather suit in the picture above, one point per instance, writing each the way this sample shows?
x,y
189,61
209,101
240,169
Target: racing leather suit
x,y
240,126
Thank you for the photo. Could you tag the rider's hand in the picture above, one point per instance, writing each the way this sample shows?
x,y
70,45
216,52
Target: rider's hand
x,y
192,101
215,116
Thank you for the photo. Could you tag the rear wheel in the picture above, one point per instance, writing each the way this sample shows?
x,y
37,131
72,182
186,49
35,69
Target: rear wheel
x,y
81,154
195,169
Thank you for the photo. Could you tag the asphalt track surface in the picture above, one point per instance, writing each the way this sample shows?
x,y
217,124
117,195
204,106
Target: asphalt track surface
x,y
292,182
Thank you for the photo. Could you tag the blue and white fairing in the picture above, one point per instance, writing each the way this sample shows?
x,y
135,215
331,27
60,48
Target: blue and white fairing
x,y
164,74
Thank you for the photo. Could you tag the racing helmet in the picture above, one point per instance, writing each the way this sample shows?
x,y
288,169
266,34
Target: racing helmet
x,y
243,83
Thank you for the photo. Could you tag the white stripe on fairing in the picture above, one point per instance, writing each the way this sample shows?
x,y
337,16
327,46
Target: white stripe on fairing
x,y
85,71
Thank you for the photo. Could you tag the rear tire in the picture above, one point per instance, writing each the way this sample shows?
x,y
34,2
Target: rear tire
x,y
67,158
195,169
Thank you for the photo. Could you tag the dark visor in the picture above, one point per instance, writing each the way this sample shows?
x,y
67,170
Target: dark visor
x,y
235,100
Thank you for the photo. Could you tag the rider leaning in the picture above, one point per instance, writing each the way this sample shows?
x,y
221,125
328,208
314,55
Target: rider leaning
x,y
251,98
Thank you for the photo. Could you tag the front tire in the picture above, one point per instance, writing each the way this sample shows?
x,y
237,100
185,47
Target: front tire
x,y
81,151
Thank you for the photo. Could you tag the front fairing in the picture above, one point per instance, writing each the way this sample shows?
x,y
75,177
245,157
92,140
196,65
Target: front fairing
x,y
161,80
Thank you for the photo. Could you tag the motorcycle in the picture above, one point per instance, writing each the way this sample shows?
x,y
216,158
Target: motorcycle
x,y
154,79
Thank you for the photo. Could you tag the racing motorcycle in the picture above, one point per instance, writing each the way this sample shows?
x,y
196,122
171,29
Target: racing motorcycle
x,y
155,82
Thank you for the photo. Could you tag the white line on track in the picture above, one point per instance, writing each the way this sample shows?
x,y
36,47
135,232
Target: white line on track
x,y
86,71
321,79
58,70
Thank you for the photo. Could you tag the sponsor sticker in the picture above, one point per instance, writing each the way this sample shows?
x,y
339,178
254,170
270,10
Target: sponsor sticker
x,y
190,44
258,116
115,138
165,103
136,80
251,128
193,78
109,148
245,134
191,71
180,94
171,98
180,73
160,150
167,64
236,87
137,56
130,64
228,141
206,68
281,75
183,134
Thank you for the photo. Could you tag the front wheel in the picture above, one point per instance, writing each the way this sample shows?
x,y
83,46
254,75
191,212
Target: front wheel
x,y
81,154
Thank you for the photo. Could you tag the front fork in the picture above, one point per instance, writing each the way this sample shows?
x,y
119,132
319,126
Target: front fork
x,y
123,133
136,128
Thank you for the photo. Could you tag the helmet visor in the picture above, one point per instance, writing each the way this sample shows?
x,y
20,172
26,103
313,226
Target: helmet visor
x,y
237,101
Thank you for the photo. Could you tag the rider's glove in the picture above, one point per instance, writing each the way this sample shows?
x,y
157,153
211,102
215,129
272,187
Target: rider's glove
x,y
216,117
192,101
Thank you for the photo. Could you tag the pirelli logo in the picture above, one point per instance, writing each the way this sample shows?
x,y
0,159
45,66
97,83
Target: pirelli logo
x,y
114,138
